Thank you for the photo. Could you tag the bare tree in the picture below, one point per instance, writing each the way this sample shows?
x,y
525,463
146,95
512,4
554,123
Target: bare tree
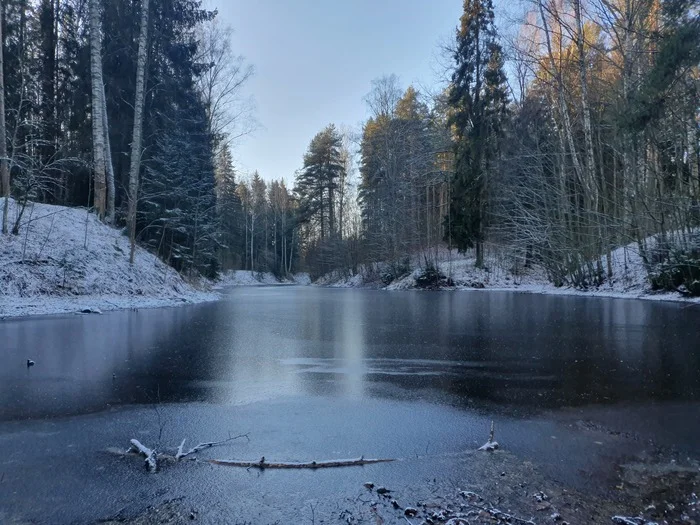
x,y
228,112
384,96
138,125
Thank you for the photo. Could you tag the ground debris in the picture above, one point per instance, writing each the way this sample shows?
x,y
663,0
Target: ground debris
x,y
465,508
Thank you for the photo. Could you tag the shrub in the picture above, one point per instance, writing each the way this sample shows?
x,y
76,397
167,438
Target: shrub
x,y
396,271
430,277
679,272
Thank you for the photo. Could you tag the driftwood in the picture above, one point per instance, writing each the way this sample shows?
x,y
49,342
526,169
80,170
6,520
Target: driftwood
x,y
491,444
182,454
262,464
624,520
150,455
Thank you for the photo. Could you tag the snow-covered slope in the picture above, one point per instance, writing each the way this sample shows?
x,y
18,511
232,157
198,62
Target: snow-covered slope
x,y
65,260
630,277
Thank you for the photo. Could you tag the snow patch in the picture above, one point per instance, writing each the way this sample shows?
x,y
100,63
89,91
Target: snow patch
x,y
248,278
302,279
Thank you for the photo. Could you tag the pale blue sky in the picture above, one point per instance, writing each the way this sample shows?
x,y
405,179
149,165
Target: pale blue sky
x,y
314,62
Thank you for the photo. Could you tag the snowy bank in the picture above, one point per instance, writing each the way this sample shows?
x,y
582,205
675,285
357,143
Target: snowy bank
x,y
630,278
248,278
64,260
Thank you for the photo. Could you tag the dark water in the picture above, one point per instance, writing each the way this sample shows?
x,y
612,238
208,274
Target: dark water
x,y
465,348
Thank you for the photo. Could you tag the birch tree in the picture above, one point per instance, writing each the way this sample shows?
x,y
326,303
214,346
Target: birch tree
x,y
4,168
109,166
138,125
98,132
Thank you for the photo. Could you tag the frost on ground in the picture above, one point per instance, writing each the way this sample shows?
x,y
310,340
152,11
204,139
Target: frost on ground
x,y
248,278
630,277
64,260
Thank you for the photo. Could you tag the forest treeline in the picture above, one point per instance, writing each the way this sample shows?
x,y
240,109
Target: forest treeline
x,y
575,133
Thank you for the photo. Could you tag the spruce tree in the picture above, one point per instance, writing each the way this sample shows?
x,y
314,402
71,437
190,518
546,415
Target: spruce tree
x,y
477,99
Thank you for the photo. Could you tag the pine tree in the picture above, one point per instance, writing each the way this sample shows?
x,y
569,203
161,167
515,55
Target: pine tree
x,y
230,212
258,203
477,98
318,181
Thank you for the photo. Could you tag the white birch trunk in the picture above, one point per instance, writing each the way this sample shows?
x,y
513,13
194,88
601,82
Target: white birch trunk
x,y
98,135
563,110
138,125
4,168
591,184
108,161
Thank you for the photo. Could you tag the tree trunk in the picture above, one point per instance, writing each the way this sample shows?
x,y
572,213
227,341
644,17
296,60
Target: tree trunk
x,y
291,255
138,125
108,161
4,168
564,112
588,135
693,158
252,240
591,184
98,135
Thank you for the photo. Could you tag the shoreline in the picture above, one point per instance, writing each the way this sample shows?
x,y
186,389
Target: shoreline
x,y
13,308
539,289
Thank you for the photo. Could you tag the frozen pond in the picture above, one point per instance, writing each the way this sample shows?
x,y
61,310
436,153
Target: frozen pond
x,y
529,351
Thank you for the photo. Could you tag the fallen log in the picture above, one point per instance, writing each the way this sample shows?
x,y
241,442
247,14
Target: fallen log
x,y
262,464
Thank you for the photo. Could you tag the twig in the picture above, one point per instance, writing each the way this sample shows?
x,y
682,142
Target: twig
x,y
262,464
508,517
48,235
26,233
180,450
493,511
